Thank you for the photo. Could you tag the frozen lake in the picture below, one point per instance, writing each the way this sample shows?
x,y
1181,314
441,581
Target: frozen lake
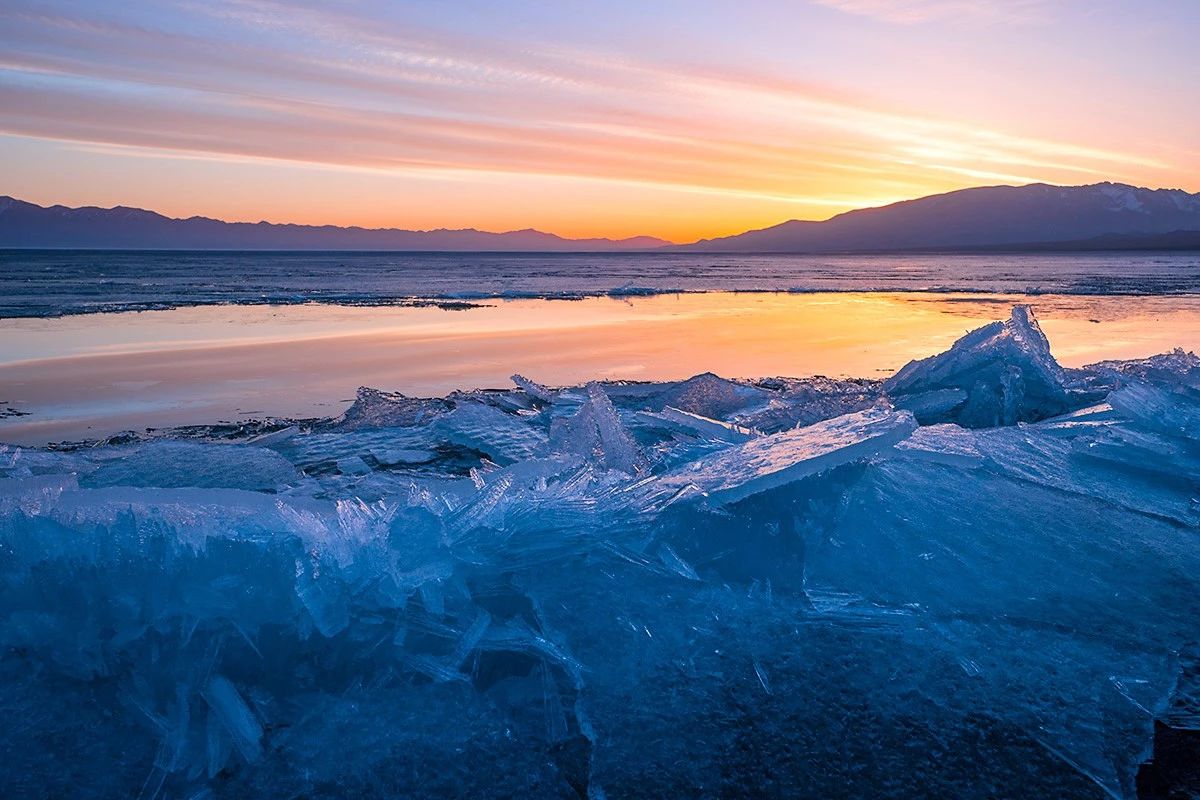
x,y
93,375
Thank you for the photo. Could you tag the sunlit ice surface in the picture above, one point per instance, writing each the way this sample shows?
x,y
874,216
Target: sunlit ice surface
x,y
91,376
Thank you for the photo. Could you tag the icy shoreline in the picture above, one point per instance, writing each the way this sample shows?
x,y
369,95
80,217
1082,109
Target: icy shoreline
x,y
977,577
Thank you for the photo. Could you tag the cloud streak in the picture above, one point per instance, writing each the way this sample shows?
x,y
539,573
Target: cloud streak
x,y
912,12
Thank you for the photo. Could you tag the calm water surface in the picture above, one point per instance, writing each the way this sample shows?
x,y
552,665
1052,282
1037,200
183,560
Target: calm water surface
x,y
97,374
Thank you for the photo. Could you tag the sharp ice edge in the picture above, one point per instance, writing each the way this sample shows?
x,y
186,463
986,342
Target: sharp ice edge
x,y
696,425
535,390
779,459
493,576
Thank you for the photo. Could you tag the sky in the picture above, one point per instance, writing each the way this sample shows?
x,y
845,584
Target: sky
x,y
676,118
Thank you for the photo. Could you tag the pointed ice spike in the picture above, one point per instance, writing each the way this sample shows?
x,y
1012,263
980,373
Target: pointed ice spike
x,y
620,452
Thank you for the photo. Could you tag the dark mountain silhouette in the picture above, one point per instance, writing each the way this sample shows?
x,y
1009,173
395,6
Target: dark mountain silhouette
x,y
1026,217
27,225
1102,216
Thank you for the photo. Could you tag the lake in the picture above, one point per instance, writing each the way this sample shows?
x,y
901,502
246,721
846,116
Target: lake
x,y
51,283
91,375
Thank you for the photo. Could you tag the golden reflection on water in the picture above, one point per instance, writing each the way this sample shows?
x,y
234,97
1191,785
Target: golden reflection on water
x,y
96,374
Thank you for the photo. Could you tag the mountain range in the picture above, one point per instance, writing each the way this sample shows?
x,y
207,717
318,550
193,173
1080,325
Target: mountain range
x,y
25,225
1036,216
1102,216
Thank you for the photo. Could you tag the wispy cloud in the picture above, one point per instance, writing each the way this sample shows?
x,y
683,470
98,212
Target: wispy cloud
x,y
908,12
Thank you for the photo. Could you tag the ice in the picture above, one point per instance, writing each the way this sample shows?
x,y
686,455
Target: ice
x,y
375,409
696,425
997,375
235,717
352,465
692,588
535,390
1177,367
618,448
771,461
673,562
400,455
711,396
943,444
503,437
179,464
791,402
597,433
932,405
1172,410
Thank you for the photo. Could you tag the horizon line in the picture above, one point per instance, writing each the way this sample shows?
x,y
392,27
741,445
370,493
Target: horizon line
x,y
665,243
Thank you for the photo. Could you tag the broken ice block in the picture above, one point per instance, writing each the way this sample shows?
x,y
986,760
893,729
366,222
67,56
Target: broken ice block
x,y
1174,411
1176,368
932,405
352,465
504,438
771,461
794,402
391,456
1000,374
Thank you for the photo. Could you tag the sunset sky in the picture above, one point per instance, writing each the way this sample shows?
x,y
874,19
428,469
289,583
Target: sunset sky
x,y
677,118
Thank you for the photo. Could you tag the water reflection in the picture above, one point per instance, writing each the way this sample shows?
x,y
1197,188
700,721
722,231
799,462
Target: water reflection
x,y
93,375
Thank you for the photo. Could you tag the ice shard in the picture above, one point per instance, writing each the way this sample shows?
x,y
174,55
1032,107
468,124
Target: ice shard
x,y
696,425
781,458
533,389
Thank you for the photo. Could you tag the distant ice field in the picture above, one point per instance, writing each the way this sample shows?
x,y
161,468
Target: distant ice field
x,y
53,283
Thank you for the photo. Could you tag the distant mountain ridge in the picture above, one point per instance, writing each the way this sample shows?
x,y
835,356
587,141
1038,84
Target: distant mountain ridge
x,y
1102,216
1026,217
26,225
